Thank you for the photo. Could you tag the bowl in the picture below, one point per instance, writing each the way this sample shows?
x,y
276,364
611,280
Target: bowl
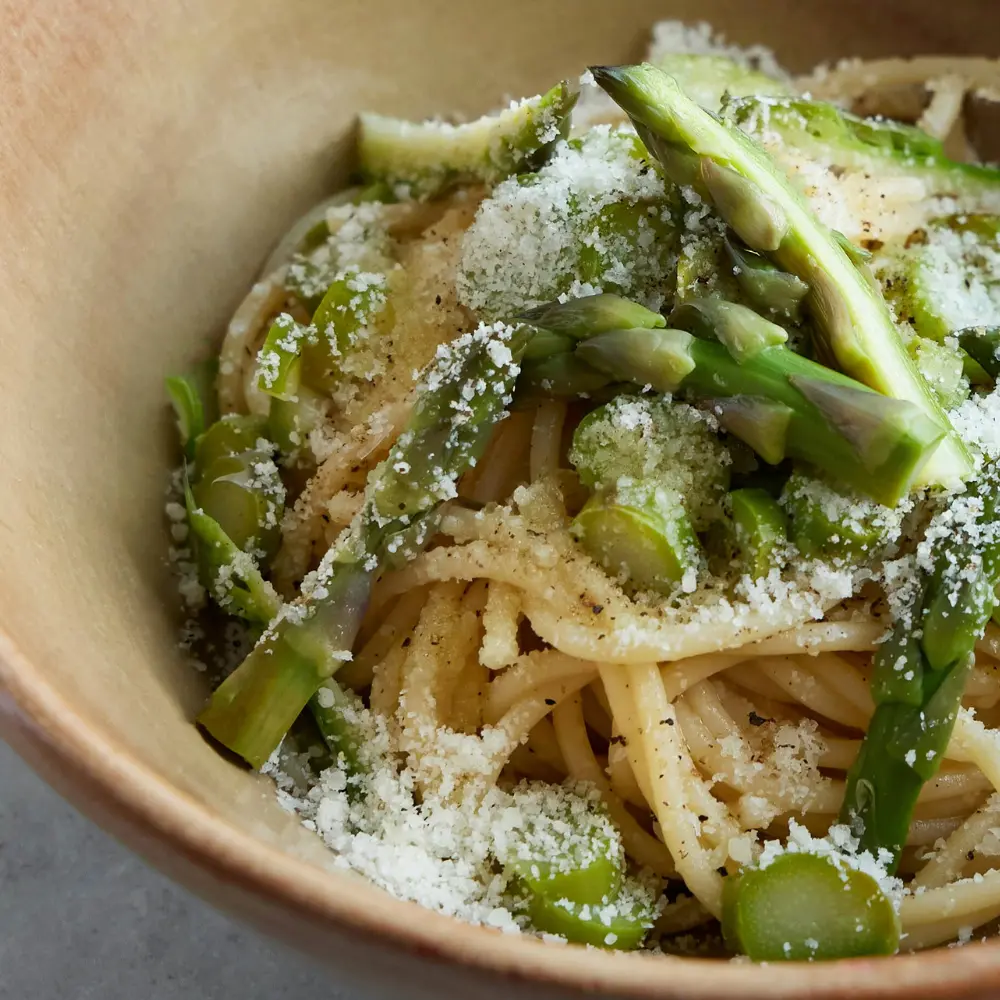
x,y
152,154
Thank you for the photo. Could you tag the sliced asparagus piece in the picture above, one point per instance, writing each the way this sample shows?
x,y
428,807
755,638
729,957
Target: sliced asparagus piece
x,y
760,530
919,673
428,158
459,399
621,924
804,907
642,535
782,405
767,213
710,78
835,138
193,398
826,523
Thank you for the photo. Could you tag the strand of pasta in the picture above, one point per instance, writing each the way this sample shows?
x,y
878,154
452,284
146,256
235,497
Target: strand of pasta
x,y
500,620
532,671
649,723
574,744
946,864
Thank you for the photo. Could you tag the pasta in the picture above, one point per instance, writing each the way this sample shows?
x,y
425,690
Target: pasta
x,y
711,721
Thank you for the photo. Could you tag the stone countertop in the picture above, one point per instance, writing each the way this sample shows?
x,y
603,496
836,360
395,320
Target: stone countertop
x,y
81,918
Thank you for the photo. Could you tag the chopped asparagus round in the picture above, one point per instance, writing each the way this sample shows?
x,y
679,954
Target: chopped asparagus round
x,y
826,523
803,907
232,434
615,925
642,535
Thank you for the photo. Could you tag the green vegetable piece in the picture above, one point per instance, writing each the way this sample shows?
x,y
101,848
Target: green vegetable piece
x,y
826,523
194,401
643,535
803,907
244,494
943,368
561,376
878,146
544,344
769,289
447,433
872,443
430,157
229,574
624,928
232,434
279,361
708,79
740,330
757,200
648,442
289,423
982,344
760,529
332,708
920,672
591,314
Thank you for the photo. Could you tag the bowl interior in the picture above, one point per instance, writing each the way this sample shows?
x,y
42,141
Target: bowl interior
x,y
152,156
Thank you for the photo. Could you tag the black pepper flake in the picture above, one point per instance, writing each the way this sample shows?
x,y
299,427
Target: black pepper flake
x,y
617,740
702,819
757,720
666,722
550,701
722,872
406,642
971,855
597,608
437,300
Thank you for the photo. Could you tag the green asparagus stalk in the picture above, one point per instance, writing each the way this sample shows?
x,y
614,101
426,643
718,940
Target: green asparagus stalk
x,y
760,530
781,405
769,289
461,396
770,216
920,672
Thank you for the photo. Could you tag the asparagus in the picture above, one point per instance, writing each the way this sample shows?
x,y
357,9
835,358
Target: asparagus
x,y
768,288
767,213
193,398
920,672
428,158
711,80
740,330
781,405
826,523
760,530
806,907
658,472
464,392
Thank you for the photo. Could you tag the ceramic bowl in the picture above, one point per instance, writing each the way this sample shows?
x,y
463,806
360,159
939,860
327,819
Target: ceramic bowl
x,y
151,155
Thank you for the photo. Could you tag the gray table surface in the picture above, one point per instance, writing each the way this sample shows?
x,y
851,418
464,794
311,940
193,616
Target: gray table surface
x,y
83,919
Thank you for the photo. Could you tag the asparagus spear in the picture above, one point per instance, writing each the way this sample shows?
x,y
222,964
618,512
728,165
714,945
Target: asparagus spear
x,y
194,401
782,405
768,288
759,203
920,672
462,394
